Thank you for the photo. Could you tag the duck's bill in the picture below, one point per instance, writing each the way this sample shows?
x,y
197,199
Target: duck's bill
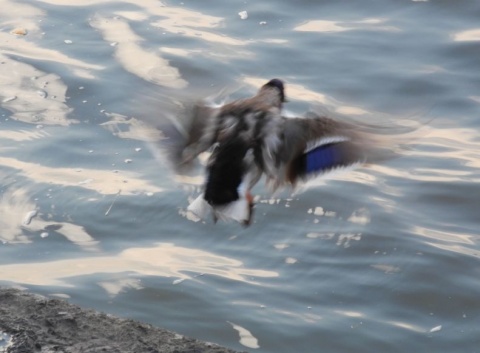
x,y
239,211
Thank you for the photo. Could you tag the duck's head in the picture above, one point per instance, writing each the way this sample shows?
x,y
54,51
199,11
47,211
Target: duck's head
x,y
278,86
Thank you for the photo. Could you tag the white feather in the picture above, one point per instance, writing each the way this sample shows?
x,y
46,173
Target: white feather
x,y
199,207
311,145
319,179
238,210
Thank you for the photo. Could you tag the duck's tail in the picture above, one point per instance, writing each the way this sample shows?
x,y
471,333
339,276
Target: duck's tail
x,y
239,210
199,207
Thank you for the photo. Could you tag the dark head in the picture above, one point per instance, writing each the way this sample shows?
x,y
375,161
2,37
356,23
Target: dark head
x,y
279,85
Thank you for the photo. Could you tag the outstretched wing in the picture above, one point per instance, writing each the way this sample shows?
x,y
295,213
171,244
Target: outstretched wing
x,y
317,145
202,123
325,155
190,129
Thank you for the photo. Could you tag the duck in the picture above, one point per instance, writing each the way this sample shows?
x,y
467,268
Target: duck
x,y
251,137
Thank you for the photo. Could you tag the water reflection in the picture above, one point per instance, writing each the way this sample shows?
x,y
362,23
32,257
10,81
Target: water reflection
x,y
458,242
5,341
408,326
349,313
115,287
385,268
14,205
457,249
145,64
458,144
246,337
327,26
72,232
163,259
450,237
105,182
23,135
360,216
188,27
470,35
15,14
27,49
31,95
177,20
131,128
20,215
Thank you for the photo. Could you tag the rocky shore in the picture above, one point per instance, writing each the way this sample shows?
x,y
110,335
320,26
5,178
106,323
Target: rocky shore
x,y
32,323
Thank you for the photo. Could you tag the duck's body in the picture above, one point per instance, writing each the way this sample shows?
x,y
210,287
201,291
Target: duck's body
x,y
252,138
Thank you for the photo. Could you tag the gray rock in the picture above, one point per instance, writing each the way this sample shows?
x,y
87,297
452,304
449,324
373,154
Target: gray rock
x,y
39,324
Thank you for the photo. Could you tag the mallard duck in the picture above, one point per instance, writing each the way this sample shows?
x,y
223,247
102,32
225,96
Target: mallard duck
x,y
250,138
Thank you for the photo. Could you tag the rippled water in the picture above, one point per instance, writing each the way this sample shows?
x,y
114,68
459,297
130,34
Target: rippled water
x,y
385,258
4,341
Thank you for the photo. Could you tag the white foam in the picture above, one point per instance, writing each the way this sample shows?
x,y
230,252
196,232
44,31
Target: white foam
x,y
243,15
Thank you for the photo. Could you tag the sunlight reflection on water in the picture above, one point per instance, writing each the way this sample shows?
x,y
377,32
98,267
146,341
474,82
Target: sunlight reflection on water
x,y
369,24
164,260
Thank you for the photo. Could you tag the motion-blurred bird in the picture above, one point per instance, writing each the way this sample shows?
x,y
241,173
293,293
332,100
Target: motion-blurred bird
x,y
250,137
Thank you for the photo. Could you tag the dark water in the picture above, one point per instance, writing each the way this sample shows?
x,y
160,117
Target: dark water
x,y
382,259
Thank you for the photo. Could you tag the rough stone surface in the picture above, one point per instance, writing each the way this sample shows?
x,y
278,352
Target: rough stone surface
x,y
39,324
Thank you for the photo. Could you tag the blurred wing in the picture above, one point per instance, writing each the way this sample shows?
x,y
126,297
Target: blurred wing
x,y
326,155
317,145
201,130
189,130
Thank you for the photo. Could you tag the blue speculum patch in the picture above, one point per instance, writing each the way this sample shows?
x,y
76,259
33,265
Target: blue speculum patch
x,y
323,158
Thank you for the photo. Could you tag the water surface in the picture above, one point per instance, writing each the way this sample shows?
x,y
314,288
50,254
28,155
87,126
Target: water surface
x,y
385,258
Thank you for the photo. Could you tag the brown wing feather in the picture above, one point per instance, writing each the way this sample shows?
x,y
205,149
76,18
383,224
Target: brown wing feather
x,y
299,133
